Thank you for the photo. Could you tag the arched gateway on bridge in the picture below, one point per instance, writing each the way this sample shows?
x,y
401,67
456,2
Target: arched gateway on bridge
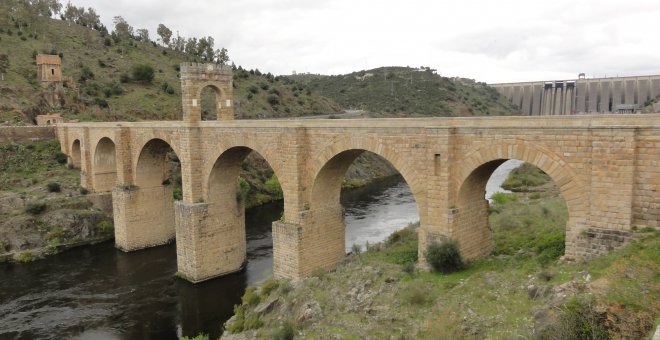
x,y
607,167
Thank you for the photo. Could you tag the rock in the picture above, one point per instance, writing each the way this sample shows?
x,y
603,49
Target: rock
x,y
310,311
532,290
540,315
267,305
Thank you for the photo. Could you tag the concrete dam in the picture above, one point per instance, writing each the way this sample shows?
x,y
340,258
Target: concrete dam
x,y
594,95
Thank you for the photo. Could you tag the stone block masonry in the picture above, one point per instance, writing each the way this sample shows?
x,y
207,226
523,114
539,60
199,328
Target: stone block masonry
x,y
605,166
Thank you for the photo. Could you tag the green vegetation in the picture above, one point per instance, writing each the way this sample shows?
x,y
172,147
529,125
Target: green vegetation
x,y
54,187
526,176
444,257
35,208
397,91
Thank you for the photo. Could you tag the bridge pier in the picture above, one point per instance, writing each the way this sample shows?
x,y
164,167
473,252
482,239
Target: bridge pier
x,y
144,217
208,243
317,242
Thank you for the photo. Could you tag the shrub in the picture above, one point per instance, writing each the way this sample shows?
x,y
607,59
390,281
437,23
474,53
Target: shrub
x,y
408,268
444,257
86,74
417,293
250,297
142,73
263,86
503,198
253,89
285,331
83,191
101,102
25,257
550,247
273,187
124,78
54,187
273,99
356,249
107,41
269,286
35,208
577,320
60,157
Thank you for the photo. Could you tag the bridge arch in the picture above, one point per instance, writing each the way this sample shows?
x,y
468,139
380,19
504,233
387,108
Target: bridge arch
x,y
324,218
470,216
327,170
105,165
75,154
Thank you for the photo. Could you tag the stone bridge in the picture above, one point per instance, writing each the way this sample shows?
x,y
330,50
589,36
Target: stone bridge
x,y
607,167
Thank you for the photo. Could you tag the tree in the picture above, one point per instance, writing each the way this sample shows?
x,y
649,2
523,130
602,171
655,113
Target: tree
x,y
122,28
143,34
191,46
143,73
222,56
205,48
4,65
164,33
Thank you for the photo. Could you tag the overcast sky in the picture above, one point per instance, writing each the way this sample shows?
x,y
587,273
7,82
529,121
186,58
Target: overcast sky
x,y
488,40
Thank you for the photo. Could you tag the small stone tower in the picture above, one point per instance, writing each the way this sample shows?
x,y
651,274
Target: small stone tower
x,y
49,69
194,78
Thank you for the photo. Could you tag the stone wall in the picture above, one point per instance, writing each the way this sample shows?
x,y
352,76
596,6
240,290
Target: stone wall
x,y
26,134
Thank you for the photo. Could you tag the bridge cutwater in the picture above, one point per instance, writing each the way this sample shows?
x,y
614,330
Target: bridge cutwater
x,y
606,166
594,95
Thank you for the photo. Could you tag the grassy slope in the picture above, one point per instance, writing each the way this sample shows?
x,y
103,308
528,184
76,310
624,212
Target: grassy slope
x,y
84,47
403,90
379,297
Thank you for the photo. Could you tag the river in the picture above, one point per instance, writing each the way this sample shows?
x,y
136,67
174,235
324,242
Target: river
x,y
98,292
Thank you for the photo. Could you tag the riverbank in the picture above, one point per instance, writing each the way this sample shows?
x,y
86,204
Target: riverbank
x,y
43,210
523,290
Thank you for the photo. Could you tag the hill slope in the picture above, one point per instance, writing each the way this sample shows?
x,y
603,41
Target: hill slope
x,y
410,91
101,66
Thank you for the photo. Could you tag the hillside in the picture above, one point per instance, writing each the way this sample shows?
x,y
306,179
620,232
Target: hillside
x,y
101,67
397,91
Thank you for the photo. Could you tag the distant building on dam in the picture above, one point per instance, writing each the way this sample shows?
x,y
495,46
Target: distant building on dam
x,y
578,96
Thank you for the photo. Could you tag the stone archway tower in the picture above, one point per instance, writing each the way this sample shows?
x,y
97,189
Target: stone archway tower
x,y
194,78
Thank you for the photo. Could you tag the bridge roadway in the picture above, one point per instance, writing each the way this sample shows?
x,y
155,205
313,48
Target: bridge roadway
x,y
606,166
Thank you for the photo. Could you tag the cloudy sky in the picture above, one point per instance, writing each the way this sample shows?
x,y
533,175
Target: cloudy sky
x,y
492,41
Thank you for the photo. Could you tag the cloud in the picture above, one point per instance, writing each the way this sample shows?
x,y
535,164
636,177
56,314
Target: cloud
x,y
494,41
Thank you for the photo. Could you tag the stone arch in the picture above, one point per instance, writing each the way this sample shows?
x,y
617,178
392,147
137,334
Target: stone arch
x,y
324,221
469,217
224,222
75,154
195,77
151,166
104,165
220,98
352,149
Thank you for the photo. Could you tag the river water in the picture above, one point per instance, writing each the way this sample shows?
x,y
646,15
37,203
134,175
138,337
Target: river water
x,y
98,292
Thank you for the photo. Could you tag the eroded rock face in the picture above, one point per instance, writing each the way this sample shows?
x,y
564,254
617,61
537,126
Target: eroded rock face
x,y
20,232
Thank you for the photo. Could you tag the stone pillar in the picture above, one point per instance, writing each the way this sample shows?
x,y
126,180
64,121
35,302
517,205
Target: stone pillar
x,y
144,217
318,242
208,243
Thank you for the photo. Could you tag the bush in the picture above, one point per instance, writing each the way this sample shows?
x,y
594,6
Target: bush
x,y
60,157
124,78
83,191
408,268
577,320
35,208
142,73
54,187
274,188
269,286
253,89
273,99
503,198
444,257
417,293
285,331
250,297
86,74
101,102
